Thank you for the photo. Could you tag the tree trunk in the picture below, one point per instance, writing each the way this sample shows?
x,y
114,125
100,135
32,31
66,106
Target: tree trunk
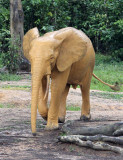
x,y
17,32
16,24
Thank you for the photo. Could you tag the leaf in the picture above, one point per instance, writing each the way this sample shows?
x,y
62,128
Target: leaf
x,y
50,14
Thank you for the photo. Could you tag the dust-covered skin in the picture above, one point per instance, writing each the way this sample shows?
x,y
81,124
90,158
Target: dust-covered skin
x,y
16,141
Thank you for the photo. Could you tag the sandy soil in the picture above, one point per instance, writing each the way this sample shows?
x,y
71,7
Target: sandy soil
x,y
16,141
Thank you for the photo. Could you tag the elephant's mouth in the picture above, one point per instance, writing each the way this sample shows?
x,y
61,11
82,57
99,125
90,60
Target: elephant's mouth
x,y
47,87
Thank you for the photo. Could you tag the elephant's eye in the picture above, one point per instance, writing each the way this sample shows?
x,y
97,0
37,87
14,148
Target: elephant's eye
x,y
52,58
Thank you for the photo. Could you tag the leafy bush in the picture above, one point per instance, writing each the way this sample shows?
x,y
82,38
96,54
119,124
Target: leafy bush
x,y
118,54
11,58
100,20
104,59
47,15
4,25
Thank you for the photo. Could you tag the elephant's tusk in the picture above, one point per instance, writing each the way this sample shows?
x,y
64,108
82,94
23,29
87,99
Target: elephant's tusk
x,y
47,87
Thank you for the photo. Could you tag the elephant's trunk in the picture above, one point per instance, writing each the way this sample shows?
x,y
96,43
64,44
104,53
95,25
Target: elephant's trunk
x,y
39,69
34,101
36,82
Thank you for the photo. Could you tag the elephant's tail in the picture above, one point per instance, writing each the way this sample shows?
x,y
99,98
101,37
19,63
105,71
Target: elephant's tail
x,y
114,87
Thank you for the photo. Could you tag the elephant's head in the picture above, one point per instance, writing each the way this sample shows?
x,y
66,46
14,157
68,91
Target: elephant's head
x,y
61,48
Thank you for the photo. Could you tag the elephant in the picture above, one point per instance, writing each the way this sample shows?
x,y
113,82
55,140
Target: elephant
x,y
59,59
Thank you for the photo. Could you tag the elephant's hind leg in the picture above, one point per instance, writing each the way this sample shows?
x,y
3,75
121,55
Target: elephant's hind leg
x,y
85,89
62,108
85,110
42,104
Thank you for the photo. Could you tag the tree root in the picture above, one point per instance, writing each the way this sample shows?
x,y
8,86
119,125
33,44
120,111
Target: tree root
x,y
95,137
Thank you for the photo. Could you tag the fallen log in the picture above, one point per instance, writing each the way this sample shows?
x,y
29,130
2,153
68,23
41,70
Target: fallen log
x,y
108,130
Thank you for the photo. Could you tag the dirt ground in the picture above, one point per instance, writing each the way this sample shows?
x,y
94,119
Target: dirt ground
x,y
17,142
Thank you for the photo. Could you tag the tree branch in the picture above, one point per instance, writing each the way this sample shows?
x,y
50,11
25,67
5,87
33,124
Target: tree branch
x,y
116,140
90,144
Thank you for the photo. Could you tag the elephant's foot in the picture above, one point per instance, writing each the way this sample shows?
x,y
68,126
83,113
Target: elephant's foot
x,y
85,118
52,126
61,119
34,134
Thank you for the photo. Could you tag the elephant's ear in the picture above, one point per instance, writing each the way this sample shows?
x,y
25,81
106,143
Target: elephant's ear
x,y
27,39
73,47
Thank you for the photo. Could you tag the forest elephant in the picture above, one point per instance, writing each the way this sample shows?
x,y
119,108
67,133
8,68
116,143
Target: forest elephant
x,y
60,59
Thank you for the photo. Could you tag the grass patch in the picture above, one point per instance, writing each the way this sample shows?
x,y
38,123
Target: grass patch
x,y
13,87
6,106
107,95
73,108
9,77
109,71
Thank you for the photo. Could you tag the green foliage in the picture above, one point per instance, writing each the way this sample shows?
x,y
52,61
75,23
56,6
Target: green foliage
x,y
4,40
102,25
47,15
1,63
8,52
11,58
104,60
100,20
4,25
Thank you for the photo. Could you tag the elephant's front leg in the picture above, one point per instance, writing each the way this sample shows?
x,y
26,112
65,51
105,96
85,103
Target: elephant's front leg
x,y
62,108
59,80
42,104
